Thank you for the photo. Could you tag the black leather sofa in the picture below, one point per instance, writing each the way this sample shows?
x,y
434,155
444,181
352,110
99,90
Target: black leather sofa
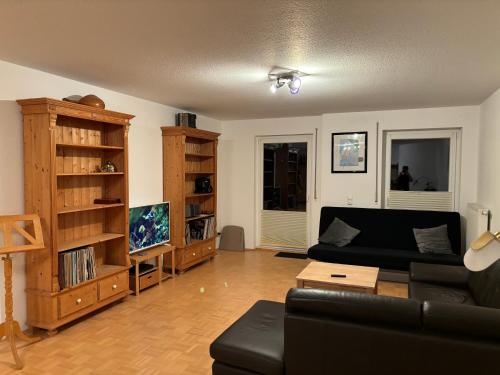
x,y
386,239
456,285
321,332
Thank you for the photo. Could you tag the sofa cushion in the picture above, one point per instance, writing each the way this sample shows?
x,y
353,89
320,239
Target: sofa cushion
x,y
255,341
455,276
354,307
433,240
478,321
433,292
338,233
377,257
485,286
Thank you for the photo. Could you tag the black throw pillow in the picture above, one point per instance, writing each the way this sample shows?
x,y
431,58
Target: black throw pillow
x,y
433,240
338,233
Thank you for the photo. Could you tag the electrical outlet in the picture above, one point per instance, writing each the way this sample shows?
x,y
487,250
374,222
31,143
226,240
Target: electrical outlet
x,y
349,200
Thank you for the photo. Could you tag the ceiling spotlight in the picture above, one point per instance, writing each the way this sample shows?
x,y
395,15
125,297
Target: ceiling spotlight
x,y
290,78
294,83
275,86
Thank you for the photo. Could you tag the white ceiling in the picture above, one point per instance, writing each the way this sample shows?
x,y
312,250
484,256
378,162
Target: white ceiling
x,y
212,56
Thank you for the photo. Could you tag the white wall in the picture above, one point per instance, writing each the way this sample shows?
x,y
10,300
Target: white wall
x,y
362,187
489,156
237,158
145,145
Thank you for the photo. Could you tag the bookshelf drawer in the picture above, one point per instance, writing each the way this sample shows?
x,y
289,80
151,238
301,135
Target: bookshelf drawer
x,y
78,299
113,285
148,279
192,254
208,248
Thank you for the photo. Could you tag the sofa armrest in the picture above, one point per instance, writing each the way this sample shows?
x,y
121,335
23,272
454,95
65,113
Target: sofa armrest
x,y
357,307
478,321
439,274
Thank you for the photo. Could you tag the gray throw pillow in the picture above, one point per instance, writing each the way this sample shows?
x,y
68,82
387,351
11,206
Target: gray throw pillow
x,y
433,240
338,233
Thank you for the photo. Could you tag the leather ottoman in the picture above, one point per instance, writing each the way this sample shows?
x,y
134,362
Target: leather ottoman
x,y
254,344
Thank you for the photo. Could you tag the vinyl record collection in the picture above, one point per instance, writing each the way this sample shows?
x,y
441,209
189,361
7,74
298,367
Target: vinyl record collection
x,y
76,266
200,230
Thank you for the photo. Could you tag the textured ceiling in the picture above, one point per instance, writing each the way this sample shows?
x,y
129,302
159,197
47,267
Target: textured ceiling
x,y
212,56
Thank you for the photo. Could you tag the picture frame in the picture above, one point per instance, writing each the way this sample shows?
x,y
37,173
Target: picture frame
x,y
349,152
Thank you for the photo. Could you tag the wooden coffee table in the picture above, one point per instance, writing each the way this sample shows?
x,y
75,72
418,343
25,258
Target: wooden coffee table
x,y
358,279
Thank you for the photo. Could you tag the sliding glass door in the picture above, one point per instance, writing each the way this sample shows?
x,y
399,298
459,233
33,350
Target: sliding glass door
x,y
284,168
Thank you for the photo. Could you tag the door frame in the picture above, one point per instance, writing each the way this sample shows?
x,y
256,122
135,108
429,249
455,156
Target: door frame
x,y
259,178
455,137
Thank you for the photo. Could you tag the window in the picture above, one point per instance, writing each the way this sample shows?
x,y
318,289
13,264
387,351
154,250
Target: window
x,y
420,170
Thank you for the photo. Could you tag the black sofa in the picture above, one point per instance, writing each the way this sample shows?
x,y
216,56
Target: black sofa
x,y
457,285
320,332
386,239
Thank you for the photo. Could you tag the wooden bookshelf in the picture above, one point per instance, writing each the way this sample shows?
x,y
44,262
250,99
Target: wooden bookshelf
x,y
188,154
65,144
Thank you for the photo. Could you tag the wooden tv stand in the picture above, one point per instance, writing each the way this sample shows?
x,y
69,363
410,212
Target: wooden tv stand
x,y
154,275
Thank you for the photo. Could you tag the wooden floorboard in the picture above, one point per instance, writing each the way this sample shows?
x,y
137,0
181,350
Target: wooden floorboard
x,y
167,329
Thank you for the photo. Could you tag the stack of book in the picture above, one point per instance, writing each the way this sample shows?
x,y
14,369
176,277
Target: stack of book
x,y
76,266
200,229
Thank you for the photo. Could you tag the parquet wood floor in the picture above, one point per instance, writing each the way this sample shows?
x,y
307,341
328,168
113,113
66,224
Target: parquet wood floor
x,y
167,329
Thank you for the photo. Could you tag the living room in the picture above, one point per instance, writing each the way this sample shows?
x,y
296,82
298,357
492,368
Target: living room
x,y
247,299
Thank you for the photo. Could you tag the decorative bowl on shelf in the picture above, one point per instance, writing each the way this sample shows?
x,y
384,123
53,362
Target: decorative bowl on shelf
x,y
108,167
92,101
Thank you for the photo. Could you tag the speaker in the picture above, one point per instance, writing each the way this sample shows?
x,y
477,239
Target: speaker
x,y
203,185
185,119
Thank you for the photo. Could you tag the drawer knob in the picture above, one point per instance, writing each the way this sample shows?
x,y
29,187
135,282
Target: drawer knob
x,y
194,254
114,286
210,248
78,301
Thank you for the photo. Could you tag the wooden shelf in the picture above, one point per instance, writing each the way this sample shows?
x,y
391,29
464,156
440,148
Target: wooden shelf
x,y
103,237
153,269
189,196
90,147
90,174
188,154
198,217
67,210
199,155
70,142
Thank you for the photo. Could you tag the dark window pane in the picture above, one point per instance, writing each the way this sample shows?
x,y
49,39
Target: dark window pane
x,y
420,164
285,176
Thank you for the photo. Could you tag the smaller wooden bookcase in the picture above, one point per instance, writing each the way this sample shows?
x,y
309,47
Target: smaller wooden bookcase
x,y
153,274
190,154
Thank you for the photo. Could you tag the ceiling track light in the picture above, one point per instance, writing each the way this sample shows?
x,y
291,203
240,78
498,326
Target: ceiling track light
x,y
291,79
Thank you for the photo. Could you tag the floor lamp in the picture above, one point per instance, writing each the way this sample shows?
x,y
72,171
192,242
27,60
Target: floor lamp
x,y
10,226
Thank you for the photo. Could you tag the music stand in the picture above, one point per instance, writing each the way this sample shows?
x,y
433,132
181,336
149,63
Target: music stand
x,y
10,225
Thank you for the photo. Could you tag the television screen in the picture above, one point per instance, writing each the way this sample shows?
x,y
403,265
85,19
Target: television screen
x,y
149,226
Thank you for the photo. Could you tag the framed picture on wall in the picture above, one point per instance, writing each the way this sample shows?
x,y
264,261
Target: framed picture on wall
x,y
349,152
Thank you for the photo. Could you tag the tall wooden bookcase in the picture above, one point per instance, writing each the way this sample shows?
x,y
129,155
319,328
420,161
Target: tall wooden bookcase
x,y
187,154
64,144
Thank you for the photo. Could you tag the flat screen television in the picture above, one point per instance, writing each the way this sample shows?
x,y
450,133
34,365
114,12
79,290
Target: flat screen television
x,y
149,226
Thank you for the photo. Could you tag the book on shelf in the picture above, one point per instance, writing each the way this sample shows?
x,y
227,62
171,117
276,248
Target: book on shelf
x,y
201,229
76,266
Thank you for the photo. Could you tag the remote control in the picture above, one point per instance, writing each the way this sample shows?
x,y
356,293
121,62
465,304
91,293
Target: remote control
x,y
338,275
